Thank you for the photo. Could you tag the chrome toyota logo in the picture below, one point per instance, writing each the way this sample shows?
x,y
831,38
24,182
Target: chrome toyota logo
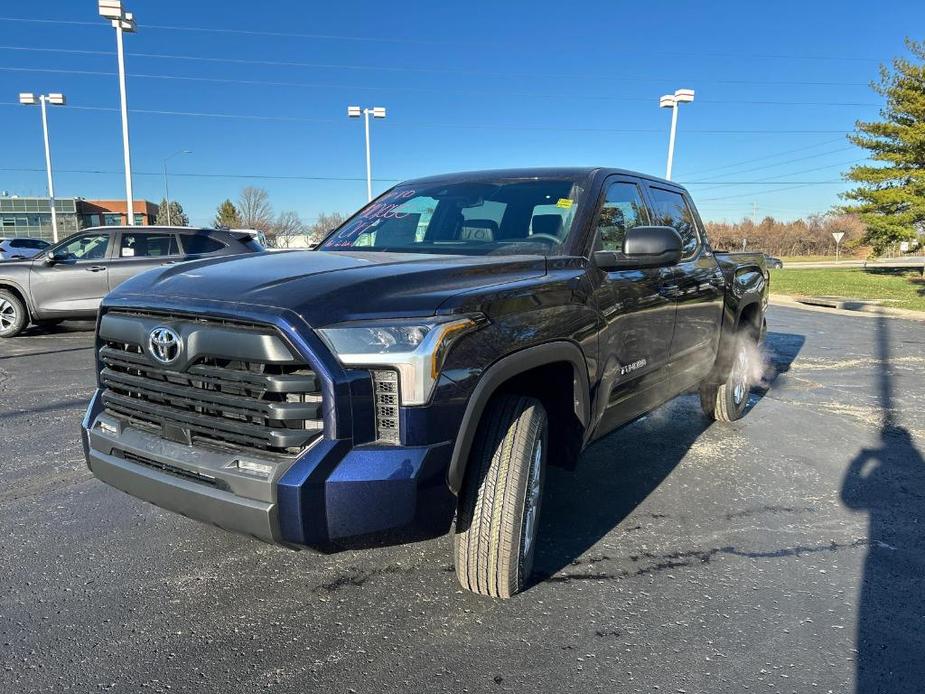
x,y
164,344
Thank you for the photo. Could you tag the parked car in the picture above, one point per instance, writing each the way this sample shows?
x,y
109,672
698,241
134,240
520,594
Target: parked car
x,y
21,247
426,362
69,280
772,262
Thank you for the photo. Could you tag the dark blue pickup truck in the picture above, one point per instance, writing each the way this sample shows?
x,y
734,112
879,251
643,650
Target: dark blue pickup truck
x,y
418,371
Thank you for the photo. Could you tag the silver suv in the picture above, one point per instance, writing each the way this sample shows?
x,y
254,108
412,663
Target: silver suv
x,y
68,280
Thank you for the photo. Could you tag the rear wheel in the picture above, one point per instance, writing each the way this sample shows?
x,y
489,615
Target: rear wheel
x,y
499,505
13,315
727,401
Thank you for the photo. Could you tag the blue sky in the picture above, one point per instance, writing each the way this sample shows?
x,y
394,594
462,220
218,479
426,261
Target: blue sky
x,y
467,86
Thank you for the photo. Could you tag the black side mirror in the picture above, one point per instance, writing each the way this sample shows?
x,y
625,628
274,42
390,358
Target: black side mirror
x,y
52,257
643,247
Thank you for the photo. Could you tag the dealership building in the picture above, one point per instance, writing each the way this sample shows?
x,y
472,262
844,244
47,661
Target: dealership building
x,y
31,217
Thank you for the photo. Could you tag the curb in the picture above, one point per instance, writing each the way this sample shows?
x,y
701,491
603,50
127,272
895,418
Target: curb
x,y
843,307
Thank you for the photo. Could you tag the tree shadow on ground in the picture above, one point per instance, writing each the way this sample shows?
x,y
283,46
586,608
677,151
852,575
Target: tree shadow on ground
x,y
616,474
888,482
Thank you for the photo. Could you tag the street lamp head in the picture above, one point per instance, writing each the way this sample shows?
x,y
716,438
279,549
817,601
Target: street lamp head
x,y
354,112
27,98
111,9
57,99
378,112
127,23
684,95
667,101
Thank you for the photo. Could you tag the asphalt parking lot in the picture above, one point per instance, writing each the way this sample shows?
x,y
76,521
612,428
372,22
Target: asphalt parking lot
x,y
783,553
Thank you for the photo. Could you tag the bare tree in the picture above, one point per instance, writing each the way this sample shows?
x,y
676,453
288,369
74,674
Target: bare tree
x,y
809,236
323,224
286,229
254,209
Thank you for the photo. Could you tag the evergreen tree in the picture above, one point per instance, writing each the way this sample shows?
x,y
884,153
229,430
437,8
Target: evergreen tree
x,y
177,218
890,192
227,216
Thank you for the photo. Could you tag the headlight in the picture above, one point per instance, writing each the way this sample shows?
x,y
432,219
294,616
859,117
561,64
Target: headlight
x,y
416,348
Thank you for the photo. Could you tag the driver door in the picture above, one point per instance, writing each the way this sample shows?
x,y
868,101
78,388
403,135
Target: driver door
x,y
74,283
637,314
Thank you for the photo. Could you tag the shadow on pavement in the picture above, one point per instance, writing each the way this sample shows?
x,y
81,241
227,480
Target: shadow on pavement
x,y
618,472
888,482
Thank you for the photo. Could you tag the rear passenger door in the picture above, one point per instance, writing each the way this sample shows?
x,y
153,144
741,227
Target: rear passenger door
x,y
137,251
637,314
698,286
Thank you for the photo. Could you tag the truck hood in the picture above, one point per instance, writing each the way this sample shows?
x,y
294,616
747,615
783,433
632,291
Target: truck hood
x,y
331,287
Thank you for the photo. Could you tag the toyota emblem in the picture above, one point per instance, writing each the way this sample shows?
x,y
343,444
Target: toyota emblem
x,y
164,344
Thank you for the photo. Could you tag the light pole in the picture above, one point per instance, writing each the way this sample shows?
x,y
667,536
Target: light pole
x,y
122,21
376,112
166,188
55,99
671,101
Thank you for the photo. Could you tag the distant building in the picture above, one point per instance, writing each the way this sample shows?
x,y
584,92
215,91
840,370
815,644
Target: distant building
x,y
108,213
32,217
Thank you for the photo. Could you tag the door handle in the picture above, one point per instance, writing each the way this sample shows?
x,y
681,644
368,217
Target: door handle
x,y
96,268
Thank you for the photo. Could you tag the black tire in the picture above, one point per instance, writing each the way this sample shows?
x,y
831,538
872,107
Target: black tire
x,y
13,314
728,401
499,505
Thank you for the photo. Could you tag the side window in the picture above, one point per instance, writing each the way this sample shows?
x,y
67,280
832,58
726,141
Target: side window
x,y
672,210
89,247
199,245
623,209
148,245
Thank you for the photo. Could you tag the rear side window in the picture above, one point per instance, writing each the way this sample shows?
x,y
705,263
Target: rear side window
x,y
148,245
199,245
672,210
623,209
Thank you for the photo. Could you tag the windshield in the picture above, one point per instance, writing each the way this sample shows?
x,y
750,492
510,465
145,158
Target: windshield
x,y
470,217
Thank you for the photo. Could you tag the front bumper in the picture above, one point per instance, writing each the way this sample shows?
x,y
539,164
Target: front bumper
x,y
333,494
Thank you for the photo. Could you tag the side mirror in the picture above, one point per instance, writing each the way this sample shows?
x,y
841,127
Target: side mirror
x,y
52,257
643,247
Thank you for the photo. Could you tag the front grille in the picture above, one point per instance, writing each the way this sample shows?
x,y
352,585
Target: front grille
x,y
255,404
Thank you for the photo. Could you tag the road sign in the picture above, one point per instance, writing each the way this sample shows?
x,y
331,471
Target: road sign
x,y
837,235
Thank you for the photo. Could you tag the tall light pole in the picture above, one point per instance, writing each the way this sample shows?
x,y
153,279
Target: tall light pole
x,y
671,101
376,112
122,21
166,188
55,99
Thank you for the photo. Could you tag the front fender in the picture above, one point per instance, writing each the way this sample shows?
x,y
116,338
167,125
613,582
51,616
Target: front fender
x,y
502,371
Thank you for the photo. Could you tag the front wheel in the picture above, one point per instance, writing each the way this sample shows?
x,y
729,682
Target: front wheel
x,y
499,505
727,401
13,315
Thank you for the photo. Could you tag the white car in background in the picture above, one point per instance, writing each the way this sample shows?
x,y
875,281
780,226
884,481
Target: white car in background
x,y
21,248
